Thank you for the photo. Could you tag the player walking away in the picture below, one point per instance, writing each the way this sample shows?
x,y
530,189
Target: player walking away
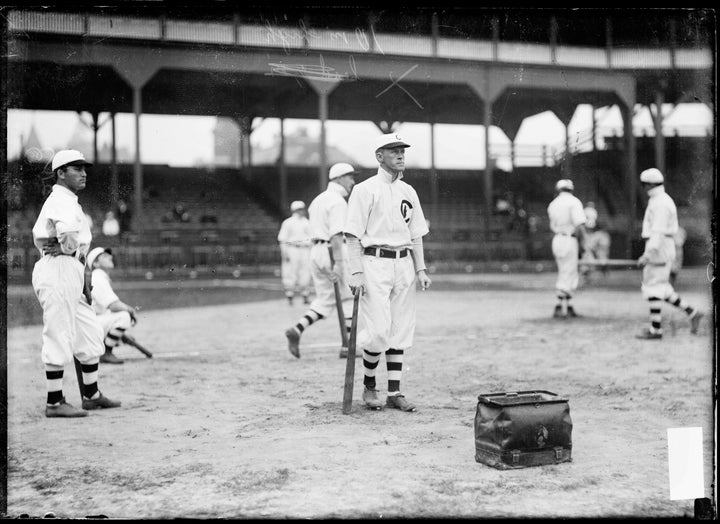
x,y
114,315
294,239
660,224
70,326
567,221
327,218
384,230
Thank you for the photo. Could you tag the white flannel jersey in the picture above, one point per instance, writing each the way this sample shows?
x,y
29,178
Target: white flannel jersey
x,y
102,291
383,212
295,231
62,217
565,213
327,212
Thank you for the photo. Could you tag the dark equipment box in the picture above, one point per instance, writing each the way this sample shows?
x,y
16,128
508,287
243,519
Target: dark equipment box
x,y
522,429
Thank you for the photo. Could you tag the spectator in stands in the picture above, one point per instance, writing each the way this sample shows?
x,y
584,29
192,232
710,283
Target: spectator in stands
x,y
124,217
110,227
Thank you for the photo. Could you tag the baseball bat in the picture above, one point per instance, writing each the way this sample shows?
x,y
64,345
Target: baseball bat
x,y
132,342
350,364
338,305
78,372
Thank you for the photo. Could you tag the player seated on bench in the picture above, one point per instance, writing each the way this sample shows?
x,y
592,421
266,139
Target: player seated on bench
x,y
115,316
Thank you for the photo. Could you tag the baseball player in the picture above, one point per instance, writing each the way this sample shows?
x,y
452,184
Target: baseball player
x,y
660,224
294,239
327,219
70,326
384,229
567,221
115,316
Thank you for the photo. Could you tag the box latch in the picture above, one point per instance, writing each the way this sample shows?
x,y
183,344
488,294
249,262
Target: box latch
x,y
558,453
515,456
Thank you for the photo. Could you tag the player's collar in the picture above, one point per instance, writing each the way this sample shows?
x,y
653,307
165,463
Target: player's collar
x,y
337,188
656,191
388,177
64,191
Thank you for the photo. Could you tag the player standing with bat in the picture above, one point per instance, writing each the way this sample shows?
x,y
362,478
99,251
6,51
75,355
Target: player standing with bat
x,y
327,214
384,230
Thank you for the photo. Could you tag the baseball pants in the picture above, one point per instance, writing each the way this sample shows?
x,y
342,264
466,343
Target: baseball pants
x,y
114,325
656,278
324,301
566,251
70,326
295,272
387,308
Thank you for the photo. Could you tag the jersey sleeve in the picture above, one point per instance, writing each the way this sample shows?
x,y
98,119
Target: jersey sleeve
x,y
418,225
102,291
283,233
358,211
337,213
577,214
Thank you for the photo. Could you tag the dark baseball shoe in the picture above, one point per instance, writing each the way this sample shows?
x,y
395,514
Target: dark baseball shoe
x,y
306,301
109,358
101,402
571,312
370,397
63,409
646,334
557,313
293,342
399,402
695,321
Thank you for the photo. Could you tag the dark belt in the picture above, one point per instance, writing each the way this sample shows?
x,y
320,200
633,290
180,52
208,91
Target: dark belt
x,y
319,241
81,258
386,253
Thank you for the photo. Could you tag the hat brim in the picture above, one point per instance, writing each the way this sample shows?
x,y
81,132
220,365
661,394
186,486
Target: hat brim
x,y
353,173
78,163
392,145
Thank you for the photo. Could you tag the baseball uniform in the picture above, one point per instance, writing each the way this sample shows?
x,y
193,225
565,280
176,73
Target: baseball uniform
x,y
565,214
114,323
294,236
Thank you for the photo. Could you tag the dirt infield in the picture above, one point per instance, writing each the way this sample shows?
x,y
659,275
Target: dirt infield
x,y
225,423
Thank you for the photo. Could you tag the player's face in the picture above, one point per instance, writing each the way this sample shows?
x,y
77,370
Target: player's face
x,y
392,160
105,261
72,177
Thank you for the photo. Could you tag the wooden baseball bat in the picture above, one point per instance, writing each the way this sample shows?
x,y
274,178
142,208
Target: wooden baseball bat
x,y
350,364
132,342
338,305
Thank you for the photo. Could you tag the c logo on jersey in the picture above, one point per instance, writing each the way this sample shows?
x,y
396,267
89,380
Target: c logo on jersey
x,y
406,210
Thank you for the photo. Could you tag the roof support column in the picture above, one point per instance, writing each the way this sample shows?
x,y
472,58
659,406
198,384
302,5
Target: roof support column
x,y
114,191
284,204
487,122
434,192
630,174
323,90
657,118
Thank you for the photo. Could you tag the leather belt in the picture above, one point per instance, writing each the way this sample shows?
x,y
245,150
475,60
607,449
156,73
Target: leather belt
x,y
81,258
386,253
564,234
320,241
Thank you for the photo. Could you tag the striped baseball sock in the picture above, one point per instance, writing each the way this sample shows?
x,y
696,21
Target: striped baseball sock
x,y
90,376
563,300
678,302
655,315
113,338
307,320
370,363
54,378
394,361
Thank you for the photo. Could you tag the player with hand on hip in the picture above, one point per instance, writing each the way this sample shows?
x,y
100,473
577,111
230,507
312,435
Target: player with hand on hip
x,y
327,218
70,327
384,229
115,316
567,221
660,224
294,239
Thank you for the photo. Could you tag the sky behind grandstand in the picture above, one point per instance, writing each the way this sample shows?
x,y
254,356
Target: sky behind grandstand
x,y
188,141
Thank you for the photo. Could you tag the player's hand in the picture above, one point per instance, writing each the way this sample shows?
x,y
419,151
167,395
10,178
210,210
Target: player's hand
x,y
52,247
133,318
423,279
357,282
643,260
336,273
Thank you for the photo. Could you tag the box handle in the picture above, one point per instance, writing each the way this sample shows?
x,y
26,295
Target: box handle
x,y
515,456
558,453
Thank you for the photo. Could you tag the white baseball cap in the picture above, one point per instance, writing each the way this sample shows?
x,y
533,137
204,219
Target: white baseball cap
x,y
340,169
566,184
390,140
297,205
96,253
652,176
67,157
